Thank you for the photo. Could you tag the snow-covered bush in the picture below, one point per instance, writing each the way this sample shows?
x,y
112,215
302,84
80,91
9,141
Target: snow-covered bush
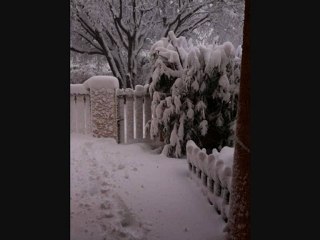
x,y
194,91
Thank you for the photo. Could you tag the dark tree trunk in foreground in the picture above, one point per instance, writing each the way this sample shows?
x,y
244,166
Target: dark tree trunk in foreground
x,y
239,225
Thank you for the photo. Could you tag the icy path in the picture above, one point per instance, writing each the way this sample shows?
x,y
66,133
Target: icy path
x,y
127,192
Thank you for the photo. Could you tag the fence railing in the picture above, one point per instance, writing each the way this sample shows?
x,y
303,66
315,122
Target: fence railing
x,y
134,111
213,173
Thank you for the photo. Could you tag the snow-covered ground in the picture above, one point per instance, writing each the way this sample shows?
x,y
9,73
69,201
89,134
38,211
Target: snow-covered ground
x,y
129,192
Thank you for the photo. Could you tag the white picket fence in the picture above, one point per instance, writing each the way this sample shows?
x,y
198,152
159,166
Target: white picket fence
x,y
213,173
133,111
80,111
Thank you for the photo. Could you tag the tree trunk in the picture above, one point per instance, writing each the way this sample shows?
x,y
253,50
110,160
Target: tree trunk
x,y
239,225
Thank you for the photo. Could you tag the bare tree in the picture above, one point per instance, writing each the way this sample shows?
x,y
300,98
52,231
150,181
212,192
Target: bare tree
x,y
120,29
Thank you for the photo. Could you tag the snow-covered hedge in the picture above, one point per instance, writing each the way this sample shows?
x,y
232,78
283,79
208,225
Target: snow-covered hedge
x,y
214,173
194,91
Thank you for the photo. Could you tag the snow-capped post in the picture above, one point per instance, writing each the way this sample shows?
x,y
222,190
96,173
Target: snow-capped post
x,y
121,100
129,103
103,105
138,97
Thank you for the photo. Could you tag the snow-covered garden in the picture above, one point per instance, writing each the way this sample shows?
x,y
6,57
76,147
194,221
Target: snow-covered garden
x,y
123,191
154,144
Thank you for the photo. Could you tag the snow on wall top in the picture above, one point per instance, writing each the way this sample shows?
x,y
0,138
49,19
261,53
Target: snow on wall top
x,y
98,82
78,89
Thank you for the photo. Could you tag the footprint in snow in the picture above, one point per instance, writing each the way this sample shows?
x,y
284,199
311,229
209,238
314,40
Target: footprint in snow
x,y
93,191
121,166
103,227
105,192
103,206
106,174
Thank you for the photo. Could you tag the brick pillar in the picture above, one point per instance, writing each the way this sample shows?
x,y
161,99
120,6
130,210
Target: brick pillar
x,y
103,106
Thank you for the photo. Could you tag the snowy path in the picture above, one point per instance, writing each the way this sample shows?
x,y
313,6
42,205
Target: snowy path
x,y
128,192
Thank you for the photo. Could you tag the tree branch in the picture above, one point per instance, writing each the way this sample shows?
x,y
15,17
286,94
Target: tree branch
x,y
89,41
117,19
86,26
194,26
86,52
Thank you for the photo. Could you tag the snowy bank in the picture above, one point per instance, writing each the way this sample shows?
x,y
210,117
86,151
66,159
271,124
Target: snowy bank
x,y
128,192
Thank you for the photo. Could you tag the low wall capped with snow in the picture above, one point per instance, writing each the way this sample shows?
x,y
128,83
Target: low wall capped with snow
x,y
214,172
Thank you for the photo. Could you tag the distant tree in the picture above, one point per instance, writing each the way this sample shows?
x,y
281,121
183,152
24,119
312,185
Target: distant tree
x,y
226,24
121,29
84,66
